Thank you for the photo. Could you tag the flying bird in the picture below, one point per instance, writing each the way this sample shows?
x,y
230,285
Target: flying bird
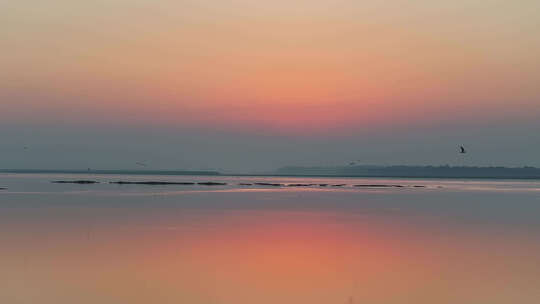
x,y
462,150
141,164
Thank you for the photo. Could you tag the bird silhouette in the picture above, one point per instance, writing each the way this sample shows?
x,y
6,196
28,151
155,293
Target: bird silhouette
x,y
462,150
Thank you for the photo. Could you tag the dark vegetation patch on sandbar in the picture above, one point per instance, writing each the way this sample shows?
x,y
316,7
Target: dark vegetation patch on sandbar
x,y
300,185
152,183
75,182
268,184
211,184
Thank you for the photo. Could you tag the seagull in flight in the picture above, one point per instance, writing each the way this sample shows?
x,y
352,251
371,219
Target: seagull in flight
x,y
141,164
462,150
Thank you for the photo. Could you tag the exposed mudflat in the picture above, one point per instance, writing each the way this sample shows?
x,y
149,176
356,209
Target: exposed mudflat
x,y
215,183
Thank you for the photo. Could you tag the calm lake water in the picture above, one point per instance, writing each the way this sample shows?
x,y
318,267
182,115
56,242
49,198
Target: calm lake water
x,y
451,241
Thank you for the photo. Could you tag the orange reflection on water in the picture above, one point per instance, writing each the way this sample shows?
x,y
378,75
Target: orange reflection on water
x,y
272,257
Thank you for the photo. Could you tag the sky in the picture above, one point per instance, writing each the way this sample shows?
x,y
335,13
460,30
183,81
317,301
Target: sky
x,y
249,86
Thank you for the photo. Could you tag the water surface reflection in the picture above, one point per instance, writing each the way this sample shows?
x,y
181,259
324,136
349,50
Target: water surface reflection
x,y
293,246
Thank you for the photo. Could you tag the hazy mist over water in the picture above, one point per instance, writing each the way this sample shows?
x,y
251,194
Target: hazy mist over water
x,y
451,241
72,147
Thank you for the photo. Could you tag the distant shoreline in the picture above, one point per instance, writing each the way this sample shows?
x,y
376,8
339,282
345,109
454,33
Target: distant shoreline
x,y
417,171
114,172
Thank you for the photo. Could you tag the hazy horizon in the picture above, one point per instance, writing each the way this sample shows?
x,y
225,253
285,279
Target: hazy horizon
x,y
50,147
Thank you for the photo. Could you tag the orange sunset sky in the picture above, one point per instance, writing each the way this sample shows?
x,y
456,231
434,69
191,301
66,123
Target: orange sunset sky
x,y
278,79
